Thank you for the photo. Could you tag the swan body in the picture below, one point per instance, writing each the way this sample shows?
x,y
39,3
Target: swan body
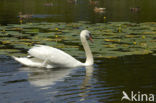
x,y
50,57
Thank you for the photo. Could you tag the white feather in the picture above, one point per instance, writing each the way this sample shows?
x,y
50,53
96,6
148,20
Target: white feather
x,y
49,57
54,56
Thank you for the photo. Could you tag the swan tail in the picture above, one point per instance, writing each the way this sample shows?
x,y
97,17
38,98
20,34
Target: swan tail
x,y
32,62
28,62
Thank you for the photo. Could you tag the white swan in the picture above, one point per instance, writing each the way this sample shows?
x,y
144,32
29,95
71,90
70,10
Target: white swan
x,y
49,57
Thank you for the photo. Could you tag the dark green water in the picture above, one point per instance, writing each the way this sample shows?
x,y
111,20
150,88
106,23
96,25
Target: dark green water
x,y
124,52
64,11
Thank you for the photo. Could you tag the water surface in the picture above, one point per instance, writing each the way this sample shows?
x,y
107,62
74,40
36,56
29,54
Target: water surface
x,y
82,10
102,83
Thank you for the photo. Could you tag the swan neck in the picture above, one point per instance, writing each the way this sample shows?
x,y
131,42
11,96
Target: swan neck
x,y
89,56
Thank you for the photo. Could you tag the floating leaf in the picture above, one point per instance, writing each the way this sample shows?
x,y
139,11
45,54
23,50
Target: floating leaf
x,y
111,39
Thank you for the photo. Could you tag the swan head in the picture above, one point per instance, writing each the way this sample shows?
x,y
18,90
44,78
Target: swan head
x,y
86,34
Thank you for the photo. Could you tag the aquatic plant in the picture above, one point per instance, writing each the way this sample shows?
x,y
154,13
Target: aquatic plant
x,y
111,39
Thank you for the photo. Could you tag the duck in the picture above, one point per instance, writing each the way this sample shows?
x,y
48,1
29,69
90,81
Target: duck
x,y
93,2
24,16
72,1
136,9
99,10
48,4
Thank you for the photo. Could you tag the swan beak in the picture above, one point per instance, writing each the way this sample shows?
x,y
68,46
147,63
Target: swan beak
x,y
91,40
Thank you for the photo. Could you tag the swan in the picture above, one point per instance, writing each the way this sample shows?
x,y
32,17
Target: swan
x,y
50,57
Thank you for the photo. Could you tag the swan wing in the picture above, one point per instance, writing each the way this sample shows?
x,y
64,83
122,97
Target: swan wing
x,y
29,62
53,56
32,62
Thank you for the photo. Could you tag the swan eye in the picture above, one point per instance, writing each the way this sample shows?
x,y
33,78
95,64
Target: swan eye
x,y
90,35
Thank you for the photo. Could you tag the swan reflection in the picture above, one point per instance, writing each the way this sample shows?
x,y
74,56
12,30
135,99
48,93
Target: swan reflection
x,y
45,78
40,77
86,84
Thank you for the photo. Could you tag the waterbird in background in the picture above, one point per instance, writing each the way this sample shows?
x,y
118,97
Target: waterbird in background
x,y
99,10
50,57
72,1
48,4
135,9
24,16
91,2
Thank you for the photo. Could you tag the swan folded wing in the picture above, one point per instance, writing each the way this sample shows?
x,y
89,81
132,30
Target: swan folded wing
x,y
29,62
40,51
53,56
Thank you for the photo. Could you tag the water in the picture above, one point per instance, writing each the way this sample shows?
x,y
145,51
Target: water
x,y
124,52
64,11
102,83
